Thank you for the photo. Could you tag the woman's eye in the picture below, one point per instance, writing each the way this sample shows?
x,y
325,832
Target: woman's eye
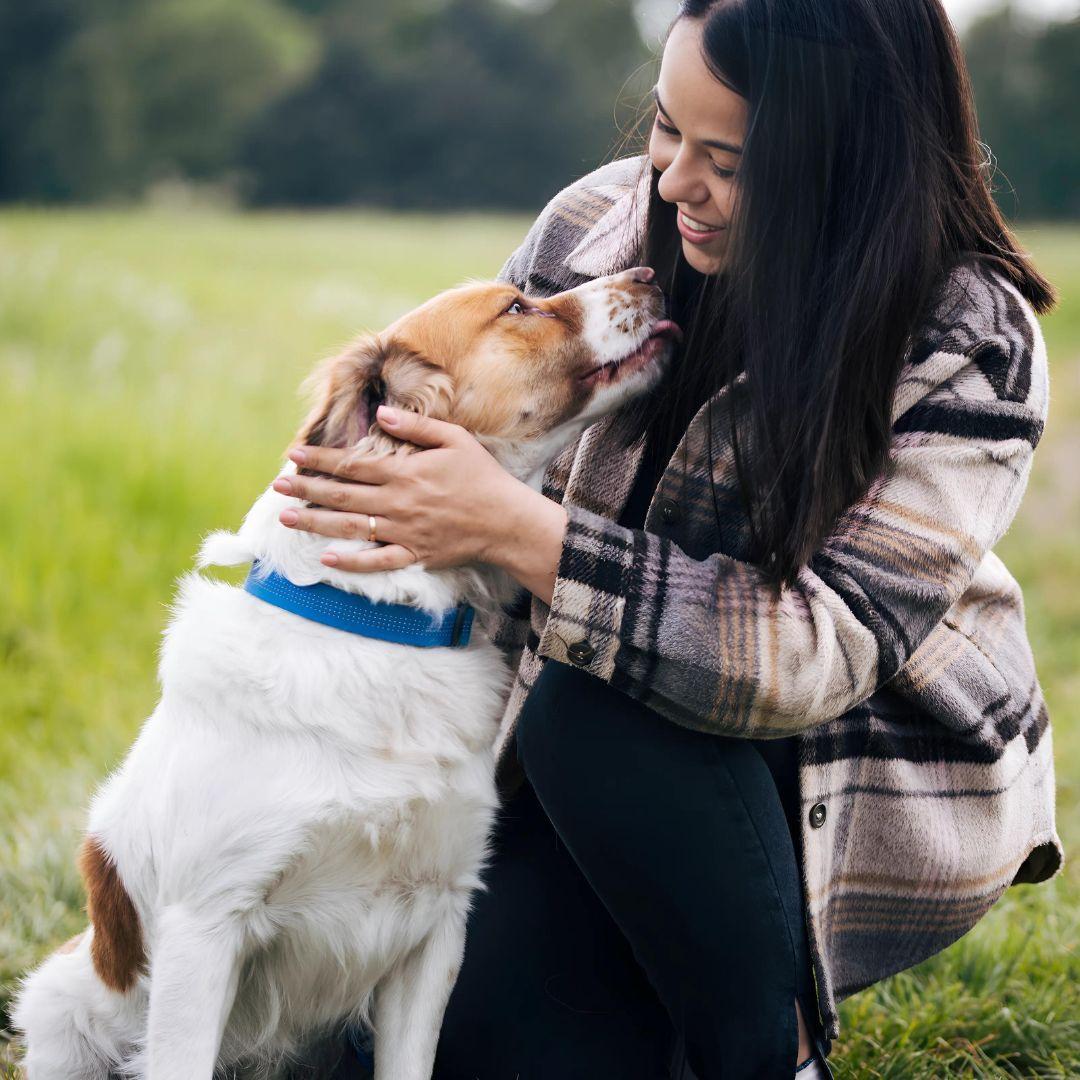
x,y
516,308
667,129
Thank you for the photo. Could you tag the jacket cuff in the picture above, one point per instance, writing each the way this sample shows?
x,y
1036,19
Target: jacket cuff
x,y
595,569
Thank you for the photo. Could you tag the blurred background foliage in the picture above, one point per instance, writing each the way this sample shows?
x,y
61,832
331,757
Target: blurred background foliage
x,y
418,103
411,104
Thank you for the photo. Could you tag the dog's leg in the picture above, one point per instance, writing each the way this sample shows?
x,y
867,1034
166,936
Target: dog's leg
x,y
194,968
410,1001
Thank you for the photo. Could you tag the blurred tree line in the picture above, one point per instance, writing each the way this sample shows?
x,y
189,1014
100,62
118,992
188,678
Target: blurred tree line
x,y
1027,90
417,103
430,103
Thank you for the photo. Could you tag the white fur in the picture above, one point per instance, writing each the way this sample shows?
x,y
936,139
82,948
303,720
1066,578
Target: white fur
x,y
300,823
614,323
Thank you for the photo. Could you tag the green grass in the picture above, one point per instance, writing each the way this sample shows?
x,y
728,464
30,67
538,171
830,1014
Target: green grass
x,y
148,369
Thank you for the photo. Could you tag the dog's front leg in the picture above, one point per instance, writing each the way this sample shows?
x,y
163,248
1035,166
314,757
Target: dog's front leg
x,y
410,1001
194,968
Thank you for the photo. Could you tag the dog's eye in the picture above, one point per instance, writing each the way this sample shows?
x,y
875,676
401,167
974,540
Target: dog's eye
x,y
516,308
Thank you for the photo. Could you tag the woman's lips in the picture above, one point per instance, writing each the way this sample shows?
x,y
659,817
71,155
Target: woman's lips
x,y
695,236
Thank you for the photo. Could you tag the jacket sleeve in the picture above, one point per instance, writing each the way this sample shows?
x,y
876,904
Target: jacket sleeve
x,y
709,645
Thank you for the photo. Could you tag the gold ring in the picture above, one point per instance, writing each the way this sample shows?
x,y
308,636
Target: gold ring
x,y
371,529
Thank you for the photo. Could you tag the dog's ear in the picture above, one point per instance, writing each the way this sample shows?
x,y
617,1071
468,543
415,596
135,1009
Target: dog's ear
x,y
372,372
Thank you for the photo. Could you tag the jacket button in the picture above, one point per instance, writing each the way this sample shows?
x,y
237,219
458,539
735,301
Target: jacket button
x,y
817,815
580,653
669,511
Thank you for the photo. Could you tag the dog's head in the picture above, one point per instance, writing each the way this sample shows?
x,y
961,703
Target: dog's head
x,y
525,375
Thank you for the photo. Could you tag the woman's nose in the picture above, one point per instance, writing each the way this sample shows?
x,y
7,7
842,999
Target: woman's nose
x,y
681,183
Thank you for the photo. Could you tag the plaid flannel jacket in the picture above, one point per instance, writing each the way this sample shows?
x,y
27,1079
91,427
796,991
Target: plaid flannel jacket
x,y
899,658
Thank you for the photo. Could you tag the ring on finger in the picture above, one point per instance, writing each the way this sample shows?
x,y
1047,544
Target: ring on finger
x,y
371,529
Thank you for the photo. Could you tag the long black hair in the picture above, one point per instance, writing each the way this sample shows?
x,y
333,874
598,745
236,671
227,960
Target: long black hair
x,y
861,184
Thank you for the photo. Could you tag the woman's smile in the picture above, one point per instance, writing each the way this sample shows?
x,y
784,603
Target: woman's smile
x,y
697,232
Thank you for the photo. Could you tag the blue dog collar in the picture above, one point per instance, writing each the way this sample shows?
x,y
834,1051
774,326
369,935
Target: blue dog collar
x,y
358,615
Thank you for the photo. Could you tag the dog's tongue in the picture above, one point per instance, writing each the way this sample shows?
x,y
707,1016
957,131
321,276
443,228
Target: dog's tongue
x,y
667,328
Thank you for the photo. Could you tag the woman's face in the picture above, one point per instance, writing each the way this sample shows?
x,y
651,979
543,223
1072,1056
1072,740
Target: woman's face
x,y
695,145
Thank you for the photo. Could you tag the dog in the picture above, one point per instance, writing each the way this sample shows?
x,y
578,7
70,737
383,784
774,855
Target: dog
x,y
293,839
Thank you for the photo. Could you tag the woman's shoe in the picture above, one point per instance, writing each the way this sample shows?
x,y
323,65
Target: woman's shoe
x,y
813,1068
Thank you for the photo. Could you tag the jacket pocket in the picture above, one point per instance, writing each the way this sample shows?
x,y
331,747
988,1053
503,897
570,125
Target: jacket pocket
x,y
954,677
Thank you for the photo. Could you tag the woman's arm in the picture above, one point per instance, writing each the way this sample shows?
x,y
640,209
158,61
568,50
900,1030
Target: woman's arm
x,y
709,645
529,545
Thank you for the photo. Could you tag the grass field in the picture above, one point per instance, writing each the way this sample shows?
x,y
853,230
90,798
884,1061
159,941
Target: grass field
x,y
148,366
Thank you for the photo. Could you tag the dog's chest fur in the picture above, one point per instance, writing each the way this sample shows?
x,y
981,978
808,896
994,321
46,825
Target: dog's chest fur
x,y
332,792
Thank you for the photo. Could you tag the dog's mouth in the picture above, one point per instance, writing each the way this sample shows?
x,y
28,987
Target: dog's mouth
x,y
663,332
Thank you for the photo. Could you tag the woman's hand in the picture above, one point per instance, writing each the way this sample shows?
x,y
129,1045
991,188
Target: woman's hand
x,y
450,504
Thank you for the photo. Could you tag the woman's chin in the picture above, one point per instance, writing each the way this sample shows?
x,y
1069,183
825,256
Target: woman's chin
x,y
701,258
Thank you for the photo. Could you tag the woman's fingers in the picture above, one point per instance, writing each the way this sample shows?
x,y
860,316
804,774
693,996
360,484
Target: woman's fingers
x,y
333,494
387,557
341,526
419,430
344,463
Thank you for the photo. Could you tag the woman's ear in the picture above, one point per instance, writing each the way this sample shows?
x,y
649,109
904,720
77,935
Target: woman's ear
x,y
372,372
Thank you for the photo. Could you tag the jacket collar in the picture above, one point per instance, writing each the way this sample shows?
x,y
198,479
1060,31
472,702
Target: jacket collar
x,y
615,241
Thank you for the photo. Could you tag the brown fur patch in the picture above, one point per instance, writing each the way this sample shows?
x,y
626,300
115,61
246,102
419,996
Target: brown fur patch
x,y
569,311
350,387
117,946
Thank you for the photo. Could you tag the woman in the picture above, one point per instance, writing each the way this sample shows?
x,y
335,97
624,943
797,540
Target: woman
x,y
776,731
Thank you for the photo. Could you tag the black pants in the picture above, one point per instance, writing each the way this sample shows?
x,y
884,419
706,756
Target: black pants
x,y
643,891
